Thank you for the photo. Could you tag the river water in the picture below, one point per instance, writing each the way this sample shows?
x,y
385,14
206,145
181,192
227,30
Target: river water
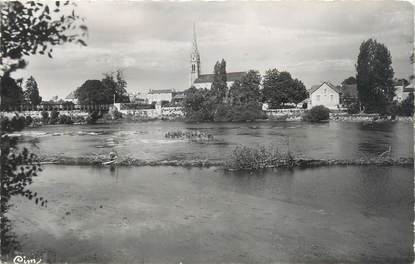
x,y
146,140
162,214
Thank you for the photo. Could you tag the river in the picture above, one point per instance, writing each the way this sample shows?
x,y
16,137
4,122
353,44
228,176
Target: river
x,y
163,214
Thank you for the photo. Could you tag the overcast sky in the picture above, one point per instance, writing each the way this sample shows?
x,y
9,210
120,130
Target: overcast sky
x,y
151,41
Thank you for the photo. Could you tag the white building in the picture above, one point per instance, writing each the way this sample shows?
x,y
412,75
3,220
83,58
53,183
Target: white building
x,y
199,80
402,92
325,94
159,96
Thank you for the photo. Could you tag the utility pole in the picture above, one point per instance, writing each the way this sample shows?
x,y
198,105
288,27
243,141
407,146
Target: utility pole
x,y
114,98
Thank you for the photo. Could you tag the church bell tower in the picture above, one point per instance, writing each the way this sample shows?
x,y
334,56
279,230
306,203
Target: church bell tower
x,y
194,59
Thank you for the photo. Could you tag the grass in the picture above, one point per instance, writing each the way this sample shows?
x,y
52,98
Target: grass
x,y
261,157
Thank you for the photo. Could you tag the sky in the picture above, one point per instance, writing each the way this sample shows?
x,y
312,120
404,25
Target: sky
x,y
151,42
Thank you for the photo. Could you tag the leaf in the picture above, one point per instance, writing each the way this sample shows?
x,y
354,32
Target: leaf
x,y
82,42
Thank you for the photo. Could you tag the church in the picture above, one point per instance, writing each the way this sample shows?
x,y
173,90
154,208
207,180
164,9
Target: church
x,y
199,80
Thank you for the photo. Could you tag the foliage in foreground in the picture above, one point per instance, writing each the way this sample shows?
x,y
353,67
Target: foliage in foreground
x,y
18,167
317,114
253,158
27,28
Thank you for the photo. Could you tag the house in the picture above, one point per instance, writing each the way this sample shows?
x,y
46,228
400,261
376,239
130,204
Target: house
x,y
325,94
157,96
137,98
71,98
402,92
199,80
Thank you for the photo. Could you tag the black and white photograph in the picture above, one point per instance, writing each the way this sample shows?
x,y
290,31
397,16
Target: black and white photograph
x,y
207,132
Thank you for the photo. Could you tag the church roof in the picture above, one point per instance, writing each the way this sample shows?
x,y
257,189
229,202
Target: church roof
x,y
230,77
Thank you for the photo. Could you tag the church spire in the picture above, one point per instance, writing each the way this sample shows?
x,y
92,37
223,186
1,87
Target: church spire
x,y
195,50
194,59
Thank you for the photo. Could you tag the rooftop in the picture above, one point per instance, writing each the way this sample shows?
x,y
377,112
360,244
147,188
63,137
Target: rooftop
x,y
230,77
315,87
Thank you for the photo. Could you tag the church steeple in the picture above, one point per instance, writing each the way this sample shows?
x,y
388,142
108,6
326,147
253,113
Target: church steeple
x,y
194,59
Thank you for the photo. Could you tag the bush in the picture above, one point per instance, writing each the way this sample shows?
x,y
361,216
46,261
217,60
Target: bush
x,y
406,108
65,119
17,123
29,120
93,116
114,113
238,113
45,116
317,114
253,158
54,117
353,109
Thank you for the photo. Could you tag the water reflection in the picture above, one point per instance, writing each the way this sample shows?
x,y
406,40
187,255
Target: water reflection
x,y
148,211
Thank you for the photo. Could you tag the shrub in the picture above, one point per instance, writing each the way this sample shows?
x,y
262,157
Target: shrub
x,y
317,114
17,123
65,119
45,116
406,107
223,113
29,120
238,113
353,109
53,117
114,113
253,158
93,117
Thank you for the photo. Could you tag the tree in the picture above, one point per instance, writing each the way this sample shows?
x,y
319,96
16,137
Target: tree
x,y
26,29
249,88
280,88
94,92
407,106
350,80
11,92
219,86
198,105
116,84
374,76
31,93
34,28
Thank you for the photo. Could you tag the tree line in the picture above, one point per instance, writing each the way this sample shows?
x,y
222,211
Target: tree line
x,y
241,101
